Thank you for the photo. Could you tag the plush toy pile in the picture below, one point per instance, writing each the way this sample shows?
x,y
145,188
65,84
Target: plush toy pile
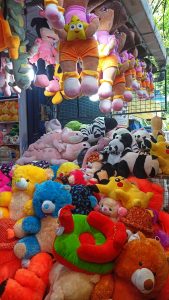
x,y
80,218
83,48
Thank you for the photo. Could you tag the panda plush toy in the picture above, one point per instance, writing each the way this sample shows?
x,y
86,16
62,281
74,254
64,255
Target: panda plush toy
x,y
126,162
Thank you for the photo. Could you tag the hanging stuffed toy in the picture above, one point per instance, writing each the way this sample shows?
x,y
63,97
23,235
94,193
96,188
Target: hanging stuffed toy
x,y
111,15
7,40
77,43
44,52
54,89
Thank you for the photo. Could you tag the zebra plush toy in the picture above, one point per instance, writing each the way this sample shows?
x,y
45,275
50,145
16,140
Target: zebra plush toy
x,y
126,162
100,126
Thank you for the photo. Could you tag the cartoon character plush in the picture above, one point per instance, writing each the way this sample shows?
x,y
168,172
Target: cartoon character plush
x,y
24,179
69,284
88,243
161,151
124,191
64,171
49,197
44,52
112,208
30,283
71,51
140,273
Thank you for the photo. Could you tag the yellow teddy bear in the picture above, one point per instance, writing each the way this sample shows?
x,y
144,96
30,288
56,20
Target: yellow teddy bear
x,y
127,193
24,179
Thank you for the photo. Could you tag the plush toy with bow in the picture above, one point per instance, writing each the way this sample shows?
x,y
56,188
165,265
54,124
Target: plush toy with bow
x,y
44,52
77,43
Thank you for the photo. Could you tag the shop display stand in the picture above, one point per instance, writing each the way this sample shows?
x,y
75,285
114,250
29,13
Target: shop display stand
x,y
9,121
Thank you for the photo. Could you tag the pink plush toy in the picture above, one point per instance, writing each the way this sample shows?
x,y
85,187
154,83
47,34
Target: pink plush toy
x,y
4,180
112,208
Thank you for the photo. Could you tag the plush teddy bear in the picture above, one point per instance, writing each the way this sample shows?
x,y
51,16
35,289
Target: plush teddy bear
x,y
30,283
140,273
77,42
69,285
49,197
112,208
24,179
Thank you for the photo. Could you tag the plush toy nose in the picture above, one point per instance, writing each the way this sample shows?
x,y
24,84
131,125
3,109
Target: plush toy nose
x,y
105,209
21,183
48,207
144,280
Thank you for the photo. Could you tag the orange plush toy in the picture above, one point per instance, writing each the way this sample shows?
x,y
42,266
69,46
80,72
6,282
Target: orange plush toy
x,y
7,40
31,283
140,273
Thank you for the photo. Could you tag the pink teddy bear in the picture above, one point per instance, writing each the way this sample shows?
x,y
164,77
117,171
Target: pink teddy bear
x,y
4,181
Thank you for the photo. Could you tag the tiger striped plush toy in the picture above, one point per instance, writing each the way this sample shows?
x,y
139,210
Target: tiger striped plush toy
x,y
100,126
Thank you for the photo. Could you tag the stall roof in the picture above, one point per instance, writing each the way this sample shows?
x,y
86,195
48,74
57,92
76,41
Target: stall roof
x,y
142,17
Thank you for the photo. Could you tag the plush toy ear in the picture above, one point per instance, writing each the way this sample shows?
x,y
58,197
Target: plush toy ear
x,y
49,173
161,138
110,123
126,138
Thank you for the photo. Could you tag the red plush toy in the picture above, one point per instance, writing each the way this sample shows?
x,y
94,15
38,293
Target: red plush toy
x,y
31,283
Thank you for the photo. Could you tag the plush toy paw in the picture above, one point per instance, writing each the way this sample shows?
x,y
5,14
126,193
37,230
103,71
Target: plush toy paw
x,y
20,250
55,17
41,81
89,85
128,97
105,106
105,90
53,86
72,87
117,105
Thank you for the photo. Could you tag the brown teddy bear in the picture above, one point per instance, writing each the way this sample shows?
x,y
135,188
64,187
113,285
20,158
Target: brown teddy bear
x,y
140,273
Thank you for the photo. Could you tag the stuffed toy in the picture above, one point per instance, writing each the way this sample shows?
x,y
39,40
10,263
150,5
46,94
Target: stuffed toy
x,y
161,151
140,273
15,18
30,283
124,191
55,147
49,197
5,190
128,162
8,41
70,285
64,170
88,243
140,135
22,70
9,263
77,177
112,209
145,185
99,128
74,125
53,125
24,179
77,42
156,126
43,52
82,199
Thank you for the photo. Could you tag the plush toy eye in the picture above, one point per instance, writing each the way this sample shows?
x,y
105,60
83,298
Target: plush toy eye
x,y
167,147
117,179
27,180
79,26
140,263
110,209
72,27
154,273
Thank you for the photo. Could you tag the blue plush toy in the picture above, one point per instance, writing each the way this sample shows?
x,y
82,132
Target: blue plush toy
x,y
48,199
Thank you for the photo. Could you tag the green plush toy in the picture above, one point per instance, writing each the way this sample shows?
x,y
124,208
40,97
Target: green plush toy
x,y
74,125
88,243
15,18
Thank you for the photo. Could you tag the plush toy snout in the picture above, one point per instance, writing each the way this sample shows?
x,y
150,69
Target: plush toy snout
x,y
48,207
21,183
144,280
